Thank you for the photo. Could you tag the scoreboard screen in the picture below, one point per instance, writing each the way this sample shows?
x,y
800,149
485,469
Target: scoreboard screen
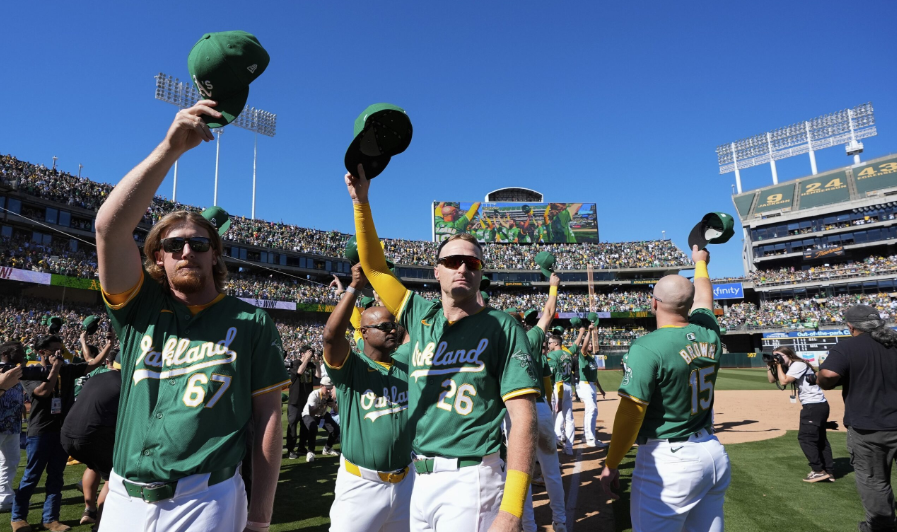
x,y
812,346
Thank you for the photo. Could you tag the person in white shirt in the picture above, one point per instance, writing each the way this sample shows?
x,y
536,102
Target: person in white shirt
x,y
318,407
791,369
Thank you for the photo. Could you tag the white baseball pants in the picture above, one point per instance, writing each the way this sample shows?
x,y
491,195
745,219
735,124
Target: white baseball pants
x,y
588,394
10,455
370,504
453,499
680,486
547,454
196,507
564,428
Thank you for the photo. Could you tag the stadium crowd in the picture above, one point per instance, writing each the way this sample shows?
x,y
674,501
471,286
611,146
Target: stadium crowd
x,y
874,265
801,313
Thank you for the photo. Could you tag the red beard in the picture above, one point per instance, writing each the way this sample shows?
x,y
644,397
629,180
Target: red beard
x,y
188,282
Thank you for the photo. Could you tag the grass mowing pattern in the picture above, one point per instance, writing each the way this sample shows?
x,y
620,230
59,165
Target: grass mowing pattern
x,y
767,492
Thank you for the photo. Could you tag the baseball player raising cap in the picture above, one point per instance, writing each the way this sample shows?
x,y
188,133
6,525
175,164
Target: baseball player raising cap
x,y
666,404
197,366
374,483
468,364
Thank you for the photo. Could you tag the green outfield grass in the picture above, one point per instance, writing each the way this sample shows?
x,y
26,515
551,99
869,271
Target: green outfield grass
x,y
767,492
304,494
728,379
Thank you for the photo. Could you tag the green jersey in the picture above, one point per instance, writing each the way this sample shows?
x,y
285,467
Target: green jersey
x,y
188,382
561,366
373,408
446,229
513,234
459,376
588,369
542,234
673,372
81,381
560,228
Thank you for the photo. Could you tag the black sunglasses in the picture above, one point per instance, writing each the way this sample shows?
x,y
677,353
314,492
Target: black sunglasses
x,y
199,244
453,262
386,326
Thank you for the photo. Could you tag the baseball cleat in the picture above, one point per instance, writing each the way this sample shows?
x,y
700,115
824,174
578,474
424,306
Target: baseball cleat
x,y
601,445
293,456
310,457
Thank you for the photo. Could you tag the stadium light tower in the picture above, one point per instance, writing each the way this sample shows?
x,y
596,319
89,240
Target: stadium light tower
x,y
847,126
184,94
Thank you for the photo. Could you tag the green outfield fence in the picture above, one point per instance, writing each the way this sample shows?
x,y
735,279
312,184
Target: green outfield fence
x,y
728,360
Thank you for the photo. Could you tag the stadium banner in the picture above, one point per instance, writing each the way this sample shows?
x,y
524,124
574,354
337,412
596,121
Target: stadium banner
x,y
75,282
819,253
743,203
269,303
728,291
645,281
314,307
876,176
775,198
521,223
822,190
25,276
568,315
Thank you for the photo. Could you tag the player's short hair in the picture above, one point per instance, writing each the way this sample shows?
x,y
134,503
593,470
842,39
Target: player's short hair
x,y
305,348
556,338
44,341
153,243
467,237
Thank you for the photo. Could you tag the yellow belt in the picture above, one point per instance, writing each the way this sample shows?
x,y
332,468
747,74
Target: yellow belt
x,y
393,477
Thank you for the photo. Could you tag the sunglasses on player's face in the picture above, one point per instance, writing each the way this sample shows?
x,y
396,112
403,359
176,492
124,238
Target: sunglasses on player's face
x,y
453,262
199,244
386,326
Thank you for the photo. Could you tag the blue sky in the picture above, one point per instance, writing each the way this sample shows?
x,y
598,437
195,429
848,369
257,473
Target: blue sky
x,y
617,103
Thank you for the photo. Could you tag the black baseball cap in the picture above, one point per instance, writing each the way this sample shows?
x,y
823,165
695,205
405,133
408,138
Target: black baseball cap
x,y
858,313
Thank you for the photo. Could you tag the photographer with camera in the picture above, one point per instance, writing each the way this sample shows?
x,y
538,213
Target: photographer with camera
x,y
785,367
12,403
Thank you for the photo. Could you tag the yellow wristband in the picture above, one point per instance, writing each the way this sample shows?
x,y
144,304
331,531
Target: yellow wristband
x,y
516,486
552,291
701,270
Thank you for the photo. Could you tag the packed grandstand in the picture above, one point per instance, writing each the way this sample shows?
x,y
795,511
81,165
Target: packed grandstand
x,y
55,253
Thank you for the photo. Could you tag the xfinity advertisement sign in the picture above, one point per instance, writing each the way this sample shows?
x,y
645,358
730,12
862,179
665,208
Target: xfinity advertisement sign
x,y
728,291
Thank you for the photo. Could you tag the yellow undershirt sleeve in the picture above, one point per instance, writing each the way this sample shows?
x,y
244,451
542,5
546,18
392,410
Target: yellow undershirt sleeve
x,y
391,291
627,423
355,319
472,211
546,383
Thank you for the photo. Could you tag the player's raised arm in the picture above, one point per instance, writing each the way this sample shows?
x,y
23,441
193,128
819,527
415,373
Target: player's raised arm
x,y
336,346
551,305
703,287
118,257
370,254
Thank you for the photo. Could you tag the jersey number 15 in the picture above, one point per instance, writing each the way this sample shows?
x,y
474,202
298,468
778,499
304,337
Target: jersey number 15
x,y
699,384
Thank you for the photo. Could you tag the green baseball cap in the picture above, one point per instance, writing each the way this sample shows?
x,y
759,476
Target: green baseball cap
x,y
90,324
381,131
546,261
592,317
485,296
576,323
217,217
55,323
351,254
485,282
531,317
367,302
222,65
43,319
714,228
558,329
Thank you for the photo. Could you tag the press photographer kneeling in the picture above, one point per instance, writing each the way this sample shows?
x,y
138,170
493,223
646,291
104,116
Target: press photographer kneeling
x,y
785,367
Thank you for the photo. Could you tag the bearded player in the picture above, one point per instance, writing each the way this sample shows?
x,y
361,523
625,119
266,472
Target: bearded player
x,y
666,404
373,486
468,365
197,366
